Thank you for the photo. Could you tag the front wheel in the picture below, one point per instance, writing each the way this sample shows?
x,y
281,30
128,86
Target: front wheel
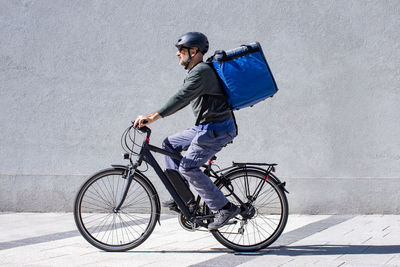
x,y
111,230
266,218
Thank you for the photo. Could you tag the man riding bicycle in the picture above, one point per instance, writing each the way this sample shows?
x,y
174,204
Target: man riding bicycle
x,y
215,126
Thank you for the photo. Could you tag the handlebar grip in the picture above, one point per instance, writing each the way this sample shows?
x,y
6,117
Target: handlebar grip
x,y
144,121
145,129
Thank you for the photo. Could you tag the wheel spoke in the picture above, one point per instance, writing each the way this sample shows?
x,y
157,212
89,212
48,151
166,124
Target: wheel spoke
x,y
102,196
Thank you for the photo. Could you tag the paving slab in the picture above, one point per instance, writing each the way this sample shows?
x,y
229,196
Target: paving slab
x,y
51,239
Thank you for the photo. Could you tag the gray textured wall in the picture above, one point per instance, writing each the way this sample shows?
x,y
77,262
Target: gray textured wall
x,y
74,73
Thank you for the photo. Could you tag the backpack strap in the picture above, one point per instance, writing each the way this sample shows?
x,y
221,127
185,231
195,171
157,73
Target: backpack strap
x,y
234,121
203,108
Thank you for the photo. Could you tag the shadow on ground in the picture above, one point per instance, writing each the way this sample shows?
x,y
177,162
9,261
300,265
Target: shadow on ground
x,y
295,250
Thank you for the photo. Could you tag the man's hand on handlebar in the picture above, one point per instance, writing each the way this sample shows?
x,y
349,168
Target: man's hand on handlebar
x,y
143,120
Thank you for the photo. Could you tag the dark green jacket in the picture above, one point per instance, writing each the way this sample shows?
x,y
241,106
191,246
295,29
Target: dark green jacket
x,y
200,88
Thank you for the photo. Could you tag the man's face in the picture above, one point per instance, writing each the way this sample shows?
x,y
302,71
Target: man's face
x,y
183,55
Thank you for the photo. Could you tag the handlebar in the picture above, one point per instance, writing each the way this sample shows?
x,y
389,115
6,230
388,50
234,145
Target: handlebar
x,y
129,135
145,129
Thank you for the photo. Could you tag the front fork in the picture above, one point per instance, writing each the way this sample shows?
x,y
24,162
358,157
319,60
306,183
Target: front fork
x,y
129,177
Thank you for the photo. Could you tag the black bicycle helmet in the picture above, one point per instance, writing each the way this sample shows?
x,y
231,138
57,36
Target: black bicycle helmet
x,y
193,39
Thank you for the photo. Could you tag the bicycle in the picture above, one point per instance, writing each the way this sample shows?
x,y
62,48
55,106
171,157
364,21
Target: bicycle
x,y
116,209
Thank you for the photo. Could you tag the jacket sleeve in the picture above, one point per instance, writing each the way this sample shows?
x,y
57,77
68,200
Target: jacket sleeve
x,y
191,89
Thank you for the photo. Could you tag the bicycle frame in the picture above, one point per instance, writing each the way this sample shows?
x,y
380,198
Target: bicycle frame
x,y
146,155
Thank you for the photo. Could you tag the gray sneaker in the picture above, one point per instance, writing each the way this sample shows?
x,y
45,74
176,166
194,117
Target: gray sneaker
x,y
223,216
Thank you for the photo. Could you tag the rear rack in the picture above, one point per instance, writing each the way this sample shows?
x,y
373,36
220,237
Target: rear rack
x,y
271,166
244,164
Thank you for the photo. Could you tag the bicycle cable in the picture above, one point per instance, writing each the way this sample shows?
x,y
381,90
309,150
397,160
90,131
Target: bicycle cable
x,y
129,148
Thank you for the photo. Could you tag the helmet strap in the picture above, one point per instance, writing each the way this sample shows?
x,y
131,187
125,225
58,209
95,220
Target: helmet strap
x,y
189,59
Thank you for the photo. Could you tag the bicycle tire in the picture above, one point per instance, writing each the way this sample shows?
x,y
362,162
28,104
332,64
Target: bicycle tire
x,y
94,211
270,214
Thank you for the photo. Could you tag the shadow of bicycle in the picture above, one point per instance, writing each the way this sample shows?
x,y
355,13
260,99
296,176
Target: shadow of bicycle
x,y
309,250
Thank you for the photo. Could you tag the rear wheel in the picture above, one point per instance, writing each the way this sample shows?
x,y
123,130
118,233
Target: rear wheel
x,y
267,216
106,229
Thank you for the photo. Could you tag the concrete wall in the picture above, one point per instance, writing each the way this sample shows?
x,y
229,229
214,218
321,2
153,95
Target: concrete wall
x,y
73,74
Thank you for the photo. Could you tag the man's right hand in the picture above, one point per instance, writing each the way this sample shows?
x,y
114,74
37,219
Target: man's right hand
x,y
143,120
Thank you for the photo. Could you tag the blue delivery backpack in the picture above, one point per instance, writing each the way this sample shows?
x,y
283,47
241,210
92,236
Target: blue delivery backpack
x,y
244,74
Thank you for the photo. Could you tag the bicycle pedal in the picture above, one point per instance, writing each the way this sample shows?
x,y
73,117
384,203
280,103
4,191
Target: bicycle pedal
x,y
231,222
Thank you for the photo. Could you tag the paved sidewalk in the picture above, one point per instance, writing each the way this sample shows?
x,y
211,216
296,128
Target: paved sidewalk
x,y
51,239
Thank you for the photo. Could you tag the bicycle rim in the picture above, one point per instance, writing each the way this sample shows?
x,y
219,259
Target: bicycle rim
x,y
100,225
269,218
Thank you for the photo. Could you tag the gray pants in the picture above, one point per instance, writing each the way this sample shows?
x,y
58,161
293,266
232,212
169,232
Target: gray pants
x,y
201,145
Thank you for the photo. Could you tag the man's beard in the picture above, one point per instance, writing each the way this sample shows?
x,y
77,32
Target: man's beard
x,y
184,62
